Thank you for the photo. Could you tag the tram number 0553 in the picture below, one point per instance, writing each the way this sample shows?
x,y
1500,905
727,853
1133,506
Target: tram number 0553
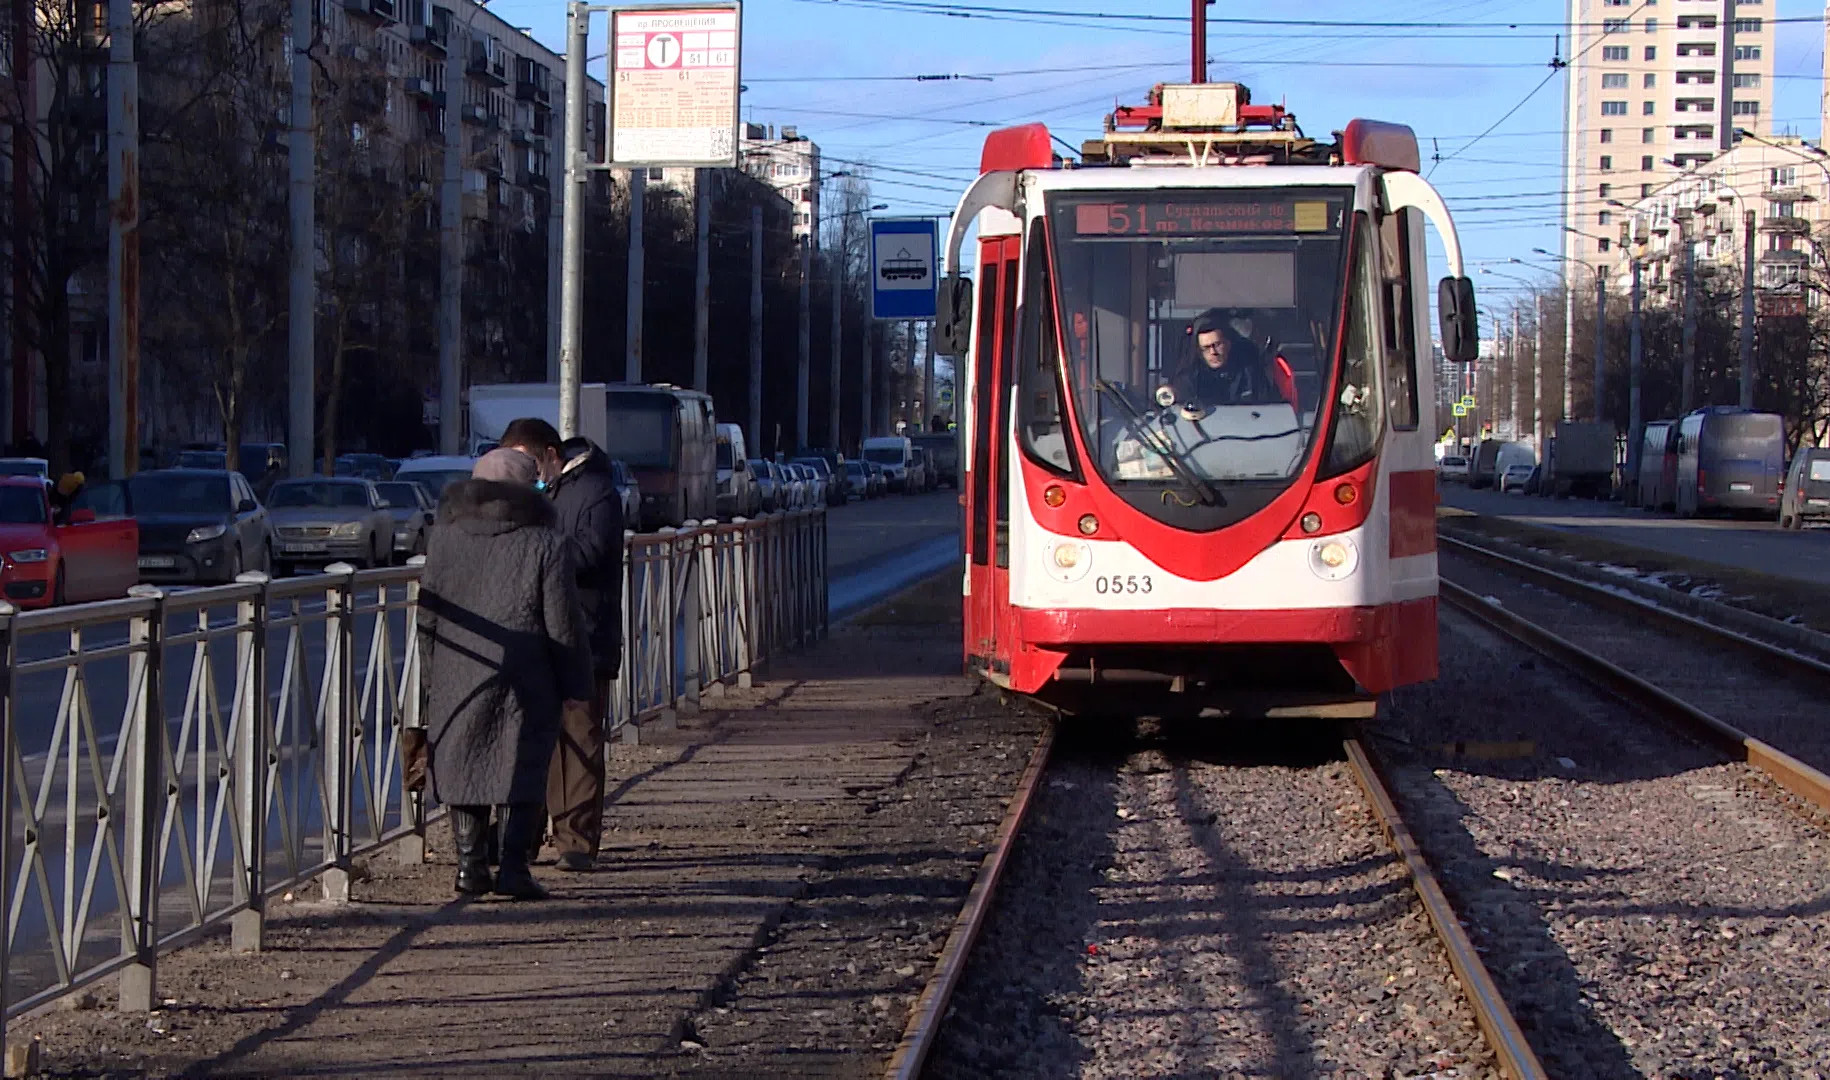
x,y
1125,584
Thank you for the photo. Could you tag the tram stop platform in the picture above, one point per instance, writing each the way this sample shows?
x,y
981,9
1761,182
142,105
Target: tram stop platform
x,y
778,876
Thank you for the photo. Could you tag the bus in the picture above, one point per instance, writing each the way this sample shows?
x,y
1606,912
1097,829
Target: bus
x,y
668,438
1731,459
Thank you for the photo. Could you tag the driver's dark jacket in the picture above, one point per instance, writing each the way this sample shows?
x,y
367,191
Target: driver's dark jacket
x,y
1239,382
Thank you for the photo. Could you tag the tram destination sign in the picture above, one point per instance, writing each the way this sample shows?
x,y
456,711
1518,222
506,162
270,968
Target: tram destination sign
x,y
674,85
1199,218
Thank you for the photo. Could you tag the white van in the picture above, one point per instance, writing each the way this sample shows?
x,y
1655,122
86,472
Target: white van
x,y
738,494
897,456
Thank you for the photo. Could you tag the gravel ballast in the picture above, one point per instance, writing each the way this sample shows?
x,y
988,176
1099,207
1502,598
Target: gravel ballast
x,y
1646,908
1167,915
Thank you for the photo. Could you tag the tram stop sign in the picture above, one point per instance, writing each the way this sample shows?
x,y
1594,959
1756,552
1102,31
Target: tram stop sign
x,y
903,268
1459,409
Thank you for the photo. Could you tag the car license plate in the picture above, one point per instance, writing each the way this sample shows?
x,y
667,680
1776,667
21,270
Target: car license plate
x,y
1817,502
1740,487
157,562
298,548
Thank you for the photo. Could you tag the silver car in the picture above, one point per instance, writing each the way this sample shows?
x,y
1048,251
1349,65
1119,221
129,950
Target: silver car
x,y
411,507
328,519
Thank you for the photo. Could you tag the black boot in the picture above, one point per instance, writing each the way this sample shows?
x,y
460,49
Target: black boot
x,y
469,825
520,823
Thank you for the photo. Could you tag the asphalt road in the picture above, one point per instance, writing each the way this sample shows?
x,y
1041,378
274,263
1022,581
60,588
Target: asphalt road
x,y
1745,544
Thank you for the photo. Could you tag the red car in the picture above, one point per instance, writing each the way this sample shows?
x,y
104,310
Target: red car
x,y
42,563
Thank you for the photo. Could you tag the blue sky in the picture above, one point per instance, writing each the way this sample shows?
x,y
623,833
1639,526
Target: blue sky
x,y
1449,85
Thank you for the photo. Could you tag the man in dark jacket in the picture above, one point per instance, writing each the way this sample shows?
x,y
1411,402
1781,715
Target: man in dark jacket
x,y
577,476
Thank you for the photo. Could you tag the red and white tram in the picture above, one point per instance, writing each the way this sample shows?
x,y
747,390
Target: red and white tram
x,y
1198,403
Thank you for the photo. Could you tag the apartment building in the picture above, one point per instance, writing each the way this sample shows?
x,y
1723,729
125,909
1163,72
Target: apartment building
x,y
1655,87
789,163
1785,182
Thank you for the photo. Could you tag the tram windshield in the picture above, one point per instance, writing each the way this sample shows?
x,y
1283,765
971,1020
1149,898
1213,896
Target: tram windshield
x,y
1199,326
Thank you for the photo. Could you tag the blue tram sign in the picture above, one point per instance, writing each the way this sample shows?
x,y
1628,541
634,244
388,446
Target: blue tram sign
x,y
904,267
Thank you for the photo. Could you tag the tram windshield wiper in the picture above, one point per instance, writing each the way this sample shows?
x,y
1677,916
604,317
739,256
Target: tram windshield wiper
x,y
1200,486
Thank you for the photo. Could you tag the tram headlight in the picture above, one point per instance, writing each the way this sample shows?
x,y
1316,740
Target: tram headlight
x,y
1312,522
1334,559
1068,561
1088,524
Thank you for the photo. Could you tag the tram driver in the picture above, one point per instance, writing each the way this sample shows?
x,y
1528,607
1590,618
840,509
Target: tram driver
x,y
1228,368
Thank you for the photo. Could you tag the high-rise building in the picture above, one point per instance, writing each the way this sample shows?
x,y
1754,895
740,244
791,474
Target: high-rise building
x,y
791,165
1655,86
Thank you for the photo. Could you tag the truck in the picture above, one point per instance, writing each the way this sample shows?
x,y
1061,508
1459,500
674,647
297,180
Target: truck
x,y
1580,460
494,407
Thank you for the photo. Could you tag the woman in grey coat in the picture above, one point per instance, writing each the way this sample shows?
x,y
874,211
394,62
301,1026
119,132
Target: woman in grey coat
x,y
504,651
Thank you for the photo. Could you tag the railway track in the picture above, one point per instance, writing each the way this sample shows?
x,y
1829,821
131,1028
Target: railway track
x,y
1670,664
1500,1031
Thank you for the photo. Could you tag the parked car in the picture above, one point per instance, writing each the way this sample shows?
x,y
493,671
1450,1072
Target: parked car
x,y
198,526
737,495
768,484
831,490
896,454
795,486
1806,495
1516,477
412,507
45,562
436,472
630,492
1453,467
329,519
367,466
25,466
858,478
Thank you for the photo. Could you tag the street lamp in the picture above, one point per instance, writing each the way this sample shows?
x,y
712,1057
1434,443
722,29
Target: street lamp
x,y
1569,329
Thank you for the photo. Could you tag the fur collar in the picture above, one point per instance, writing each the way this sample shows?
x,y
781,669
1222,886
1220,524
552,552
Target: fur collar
x,y
490,507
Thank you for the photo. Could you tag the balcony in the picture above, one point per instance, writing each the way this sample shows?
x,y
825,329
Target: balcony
x,y
532,84
1786,226
435,35
1788,193
518,136
386,11
421,90
488,63
477,114
1787,256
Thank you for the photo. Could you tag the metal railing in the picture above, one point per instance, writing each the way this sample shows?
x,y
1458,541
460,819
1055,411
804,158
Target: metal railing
x,y
176,758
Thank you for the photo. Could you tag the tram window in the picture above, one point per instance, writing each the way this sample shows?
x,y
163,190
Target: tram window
x,y
1400,324
1007,341
1354,435
1038,381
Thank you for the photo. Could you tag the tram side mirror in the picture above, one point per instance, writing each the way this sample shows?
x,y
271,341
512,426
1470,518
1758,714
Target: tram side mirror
x,y
953,316
1460,328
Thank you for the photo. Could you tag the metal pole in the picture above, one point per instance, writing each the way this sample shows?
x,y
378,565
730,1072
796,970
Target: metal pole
x,y
805,364
1537,373
124,244
867,358
702,278
1690,325
559,187
638,271
1569,342
930,409
451,250
1600,374
25,133
1634,435
927,375
836,276
756,329
1747,312
572,255
1512,383
1197,63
